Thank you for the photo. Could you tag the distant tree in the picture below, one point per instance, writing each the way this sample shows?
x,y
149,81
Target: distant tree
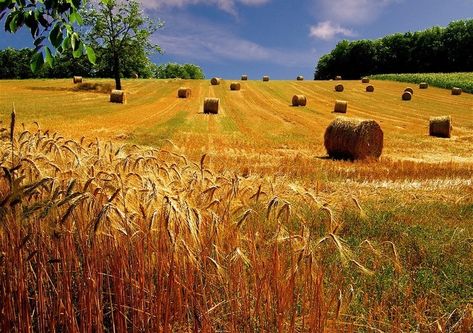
x,y
173,71
122,32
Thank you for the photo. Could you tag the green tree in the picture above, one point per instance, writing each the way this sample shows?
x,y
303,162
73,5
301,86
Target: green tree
x,y
47,20
123,32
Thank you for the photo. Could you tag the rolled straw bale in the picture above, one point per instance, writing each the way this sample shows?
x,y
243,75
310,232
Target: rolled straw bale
x,y
118,96
409,89
456,91
215,81
338,78
265,78
235,86
423,85
347,138
406,96
211,105
300,78
77,79
340,107
135,76
299,100
370,88
441,126
365,80
339,88
184,92
244,77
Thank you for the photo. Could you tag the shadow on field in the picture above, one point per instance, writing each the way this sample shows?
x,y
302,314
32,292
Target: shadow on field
x,y
100,88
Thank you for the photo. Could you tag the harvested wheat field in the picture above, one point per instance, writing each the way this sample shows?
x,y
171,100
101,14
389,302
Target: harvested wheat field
x,y
158,217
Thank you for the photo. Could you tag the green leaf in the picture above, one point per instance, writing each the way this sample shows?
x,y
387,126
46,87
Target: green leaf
x,y
49,57
91,54
75,17
79,50
36,62
56,36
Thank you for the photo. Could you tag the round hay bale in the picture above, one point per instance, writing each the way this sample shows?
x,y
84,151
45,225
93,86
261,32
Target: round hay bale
x,y
135,76
406,96
244,77
211,105
184,92
265,78
365,80
340,107
354,139
423,85
456,91
215,81
339,88
409,89
441,126
118,96
300,78
77,79
338,78
299,100
235,86
370,88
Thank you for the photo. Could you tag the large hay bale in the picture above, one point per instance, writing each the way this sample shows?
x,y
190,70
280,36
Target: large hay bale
x,y
338,78
118,96
340,107
215,81
406,96
370,88
77,79
456,91
300,78
441,126
339,88
211,105
354,139
184,92
135,76
244,77
235,86
409,89
365,80
423,85
265,78
299,100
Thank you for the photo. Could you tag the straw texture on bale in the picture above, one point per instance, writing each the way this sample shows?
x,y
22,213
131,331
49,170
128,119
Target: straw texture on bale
x,y
406,96
135,76
300,78
441,126
338,77
215,81
299,100
266,78
184,92
370,88
409,89
211,105
365,80
423,85
456,91
244,77
354,139
235,86
339,88
118,96
77,79
340,107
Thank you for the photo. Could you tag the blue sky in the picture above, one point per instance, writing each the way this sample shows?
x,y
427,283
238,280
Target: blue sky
x,y
280,38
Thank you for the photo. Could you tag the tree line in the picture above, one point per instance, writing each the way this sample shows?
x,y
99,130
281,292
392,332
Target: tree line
x,y
15,64
438,49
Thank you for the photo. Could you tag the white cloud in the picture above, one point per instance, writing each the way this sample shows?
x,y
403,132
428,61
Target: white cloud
x,y
228,6
353,11
328,30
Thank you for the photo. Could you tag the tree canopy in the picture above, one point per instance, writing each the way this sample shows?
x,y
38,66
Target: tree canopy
x,y
433,50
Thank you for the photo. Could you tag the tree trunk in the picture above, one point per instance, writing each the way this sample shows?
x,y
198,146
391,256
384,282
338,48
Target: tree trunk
x,y
116,71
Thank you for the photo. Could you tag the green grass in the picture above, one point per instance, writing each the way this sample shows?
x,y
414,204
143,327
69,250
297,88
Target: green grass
x,y
441,80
